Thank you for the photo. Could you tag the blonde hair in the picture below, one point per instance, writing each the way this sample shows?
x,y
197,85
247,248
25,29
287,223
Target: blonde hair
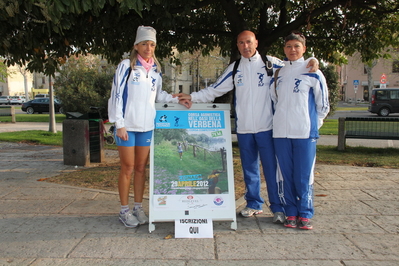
x,y
133,60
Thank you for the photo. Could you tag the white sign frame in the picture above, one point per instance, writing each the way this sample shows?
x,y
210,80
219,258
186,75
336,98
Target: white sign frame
x,y
168,207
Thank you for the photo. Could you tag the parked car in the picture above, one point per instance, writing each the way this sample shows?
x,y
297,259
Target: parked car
x,y
17,99
5,99
384,101
41,105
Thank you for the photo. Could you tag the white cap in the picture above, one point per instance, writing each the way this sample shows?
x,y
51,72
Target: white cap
x,y
145,33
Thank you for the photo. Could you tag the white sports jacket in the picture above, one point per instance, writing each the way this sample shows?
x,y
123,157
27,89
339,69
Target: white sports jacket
x,y
252,100
132,103
300,101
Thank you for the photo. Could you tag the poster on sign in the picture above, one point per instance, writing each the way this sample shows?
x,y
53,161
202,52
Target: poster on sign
x,y
191,171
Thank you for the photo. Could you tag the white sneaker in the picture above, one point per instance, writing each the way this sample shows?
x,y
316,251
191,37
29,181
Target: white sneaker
x,y
279,218
140,215
128,219
248,212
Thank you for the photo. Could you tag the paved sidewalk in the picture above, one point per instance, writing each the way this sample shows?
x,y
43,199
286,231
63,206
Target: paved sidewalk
x,y
20,126
41,223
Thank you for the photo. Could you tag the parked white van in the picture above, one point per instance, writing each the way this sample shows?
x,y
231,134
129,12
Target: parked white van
x,y
5,99
17,99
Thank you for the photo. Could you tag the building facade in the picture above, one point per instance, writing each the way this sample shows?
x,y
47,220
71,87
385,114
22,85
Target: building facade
x,y
20,81
354,76
17,82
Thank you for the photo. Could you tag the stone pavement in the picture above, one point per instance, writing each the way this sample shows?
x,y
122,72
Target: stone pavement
x,y
356,222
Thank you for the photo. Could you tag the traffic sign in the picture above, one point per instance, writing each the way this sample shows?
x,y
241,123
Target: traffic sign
x,y
383,79
356,82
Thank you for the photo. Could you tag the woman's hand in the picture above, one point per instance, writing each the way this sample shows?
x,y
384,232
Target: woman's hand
x,y
184,99
186,103
122,134
182,96
313,64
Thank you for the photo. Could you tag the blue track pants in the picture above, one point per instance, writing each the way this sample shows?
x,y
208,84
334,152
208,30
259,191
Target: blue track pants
x,y
296,159
255,147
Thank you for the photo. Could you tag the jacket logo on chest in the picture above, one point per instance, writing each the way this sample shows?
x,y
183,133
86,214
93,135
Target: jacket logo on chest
x,y
239,80
297,82
260,81
136,78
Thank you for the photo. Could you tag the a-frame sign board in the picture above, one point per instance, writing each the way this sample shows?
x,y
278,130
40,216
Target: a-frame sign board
x,y
191,164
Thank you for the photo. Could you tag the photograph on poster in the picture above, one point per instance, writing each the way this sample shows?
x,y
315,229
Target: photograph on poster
x,y
190,153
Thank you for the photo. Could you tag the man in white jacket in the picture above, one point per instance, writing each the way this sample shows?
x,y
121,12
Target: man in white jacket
x,y
253,121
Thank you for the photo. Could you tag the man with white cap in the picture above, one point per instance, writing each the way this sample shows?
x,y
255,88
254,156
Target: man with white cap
x,y
137,85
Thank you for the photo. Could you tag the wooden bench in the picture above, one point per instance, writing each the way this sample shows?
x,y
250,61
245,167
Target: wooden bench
x,y
8,111
367,128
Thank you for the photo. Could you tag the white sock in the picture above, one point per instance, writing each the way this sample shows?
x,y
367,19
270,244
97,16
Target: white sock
x,y
124,208
137,205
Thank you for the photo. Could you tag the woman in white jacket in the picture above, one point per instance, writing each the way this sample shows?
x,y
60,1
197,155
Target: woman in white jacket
x,y
137,85
300,101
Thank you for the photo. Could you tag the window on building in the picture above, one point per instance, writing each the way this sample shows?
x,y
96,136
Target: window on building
x,y
43,80
180,88
364,70
395,66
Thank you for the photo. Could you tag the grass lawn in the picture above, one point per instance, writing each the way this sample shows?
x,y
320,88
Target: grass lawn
x,y
33,136
352,108
329,127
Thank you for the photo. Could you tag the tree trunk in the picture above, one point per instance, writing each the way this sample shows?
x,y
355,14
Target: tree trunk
x,y
52,127
369,71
